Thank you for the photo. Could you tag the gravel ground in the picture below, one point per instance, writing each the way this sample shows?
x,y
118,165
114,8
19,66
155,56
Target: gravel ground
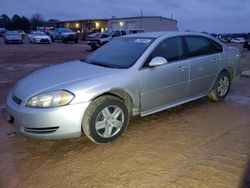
x,y
199,144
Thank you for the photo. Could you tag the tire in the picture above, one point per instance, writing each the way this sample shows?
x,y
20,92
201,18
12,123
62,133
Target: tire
x,y
221,87
76,40
101,111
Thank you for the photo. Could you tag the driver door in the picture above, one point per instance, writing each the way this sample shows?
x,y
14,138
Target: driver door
x,y
164,85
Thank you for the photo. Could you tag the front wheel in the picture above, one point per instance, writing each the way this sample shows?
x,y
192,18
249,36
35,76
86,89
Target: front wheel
x,y
221,87
105,120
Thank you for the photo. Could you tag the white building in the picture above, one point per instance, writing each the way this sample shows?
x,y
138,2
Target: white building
x,y
146,23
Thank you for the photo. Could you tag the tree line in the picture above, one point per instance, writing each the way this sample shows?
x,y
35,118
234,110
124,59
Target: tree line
x,y
21,22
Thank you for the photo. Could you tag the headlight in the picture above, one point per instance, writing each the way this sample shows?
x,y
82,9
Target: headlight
x,y
52,99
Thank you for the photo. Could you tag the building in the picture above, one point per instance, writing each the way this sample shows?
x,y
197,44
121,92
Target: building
x,y
146,23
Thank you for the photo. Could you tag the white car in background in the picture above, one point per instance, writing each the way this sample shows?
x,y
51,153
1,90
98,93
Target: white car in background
x,y
238,40
39,37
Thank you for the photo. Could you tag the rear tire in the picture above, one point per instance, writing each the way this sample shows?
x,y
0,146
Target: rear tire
x,y
105,119
221,87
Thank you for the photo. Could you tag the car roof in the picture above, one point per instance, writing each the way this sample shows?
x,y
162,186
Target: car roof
x,y
165,34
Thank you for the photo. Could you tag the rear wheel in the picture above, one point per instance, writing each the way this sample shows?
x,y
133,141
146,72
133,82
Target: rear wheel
x,y
221,87
105,120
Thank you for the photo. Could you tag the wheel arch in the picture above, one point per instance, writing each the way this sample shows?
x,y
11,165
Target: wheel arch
x,y
121,94
230,71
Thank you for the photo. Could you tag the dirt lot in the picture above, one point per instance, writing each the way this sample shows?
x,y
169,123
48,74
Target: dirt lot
x,y
200,144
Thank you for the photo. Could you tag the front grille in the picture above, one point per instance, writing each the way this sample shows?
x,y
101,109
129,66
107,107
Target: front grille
x,y
43,130
44,40
71,36
16,100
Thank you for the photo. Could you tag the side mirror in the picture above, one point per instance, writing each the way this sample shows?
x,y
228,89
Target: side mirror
x,y
157,61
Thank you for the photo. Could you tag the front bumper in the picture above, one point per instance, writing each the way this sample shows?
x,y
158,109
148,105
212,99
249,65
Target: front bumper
x,y
48,123
43,41
13,41
69,38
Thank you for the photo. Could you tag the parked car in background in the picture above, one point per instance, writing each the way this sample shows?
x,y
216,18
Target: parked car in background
x,y
97,40
132,75
21,32
2,31
39,37
12,37
246,44
238,40
225,40
64,35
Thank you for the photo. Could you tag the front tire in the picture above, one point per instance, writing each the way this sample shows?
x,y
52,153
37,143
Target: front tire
x,y
105,120
221,87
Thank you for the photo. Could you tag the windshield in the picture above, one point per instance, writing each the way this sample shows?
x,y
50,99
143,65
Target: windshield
x,y
12,34
120,52
39,34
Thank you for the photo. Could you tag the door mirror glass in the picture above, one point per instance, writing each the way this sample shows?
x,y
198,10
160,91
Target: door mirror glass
x,y
157,61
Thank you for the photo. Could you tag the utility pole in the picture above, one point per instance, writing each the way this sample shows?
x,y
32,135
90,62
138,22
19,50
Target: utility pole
x,y
105,13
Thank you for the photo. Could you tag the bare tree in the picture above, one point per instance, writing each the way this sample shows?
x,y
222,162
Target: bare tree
x,y
37,20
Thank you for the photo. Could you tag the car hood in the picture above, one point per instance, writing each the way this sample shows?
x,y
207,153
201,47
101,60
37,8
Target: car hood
x,y
13,37
54,77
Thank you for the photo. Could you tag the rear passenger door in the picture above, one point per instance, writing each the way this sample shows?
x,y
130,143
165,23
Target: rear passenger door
x,y
205,58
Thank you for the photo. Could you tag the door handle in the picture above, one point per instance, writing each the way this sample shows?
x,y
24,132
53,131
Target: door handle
x,y
182,68
216,60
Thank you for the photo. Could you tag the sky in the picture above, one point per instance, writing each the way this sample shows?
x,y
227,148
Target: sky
x,y
213,16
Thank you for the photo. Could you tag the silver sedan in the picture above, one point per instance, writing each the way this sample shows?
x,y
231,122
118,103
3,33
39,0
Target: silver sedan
x,y
132,75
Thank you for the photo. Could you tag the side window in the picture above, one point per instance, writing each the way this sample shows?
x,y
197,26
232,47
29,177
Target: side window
x,y
215,47
171,49
104,36
123,32
198,46
116,34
